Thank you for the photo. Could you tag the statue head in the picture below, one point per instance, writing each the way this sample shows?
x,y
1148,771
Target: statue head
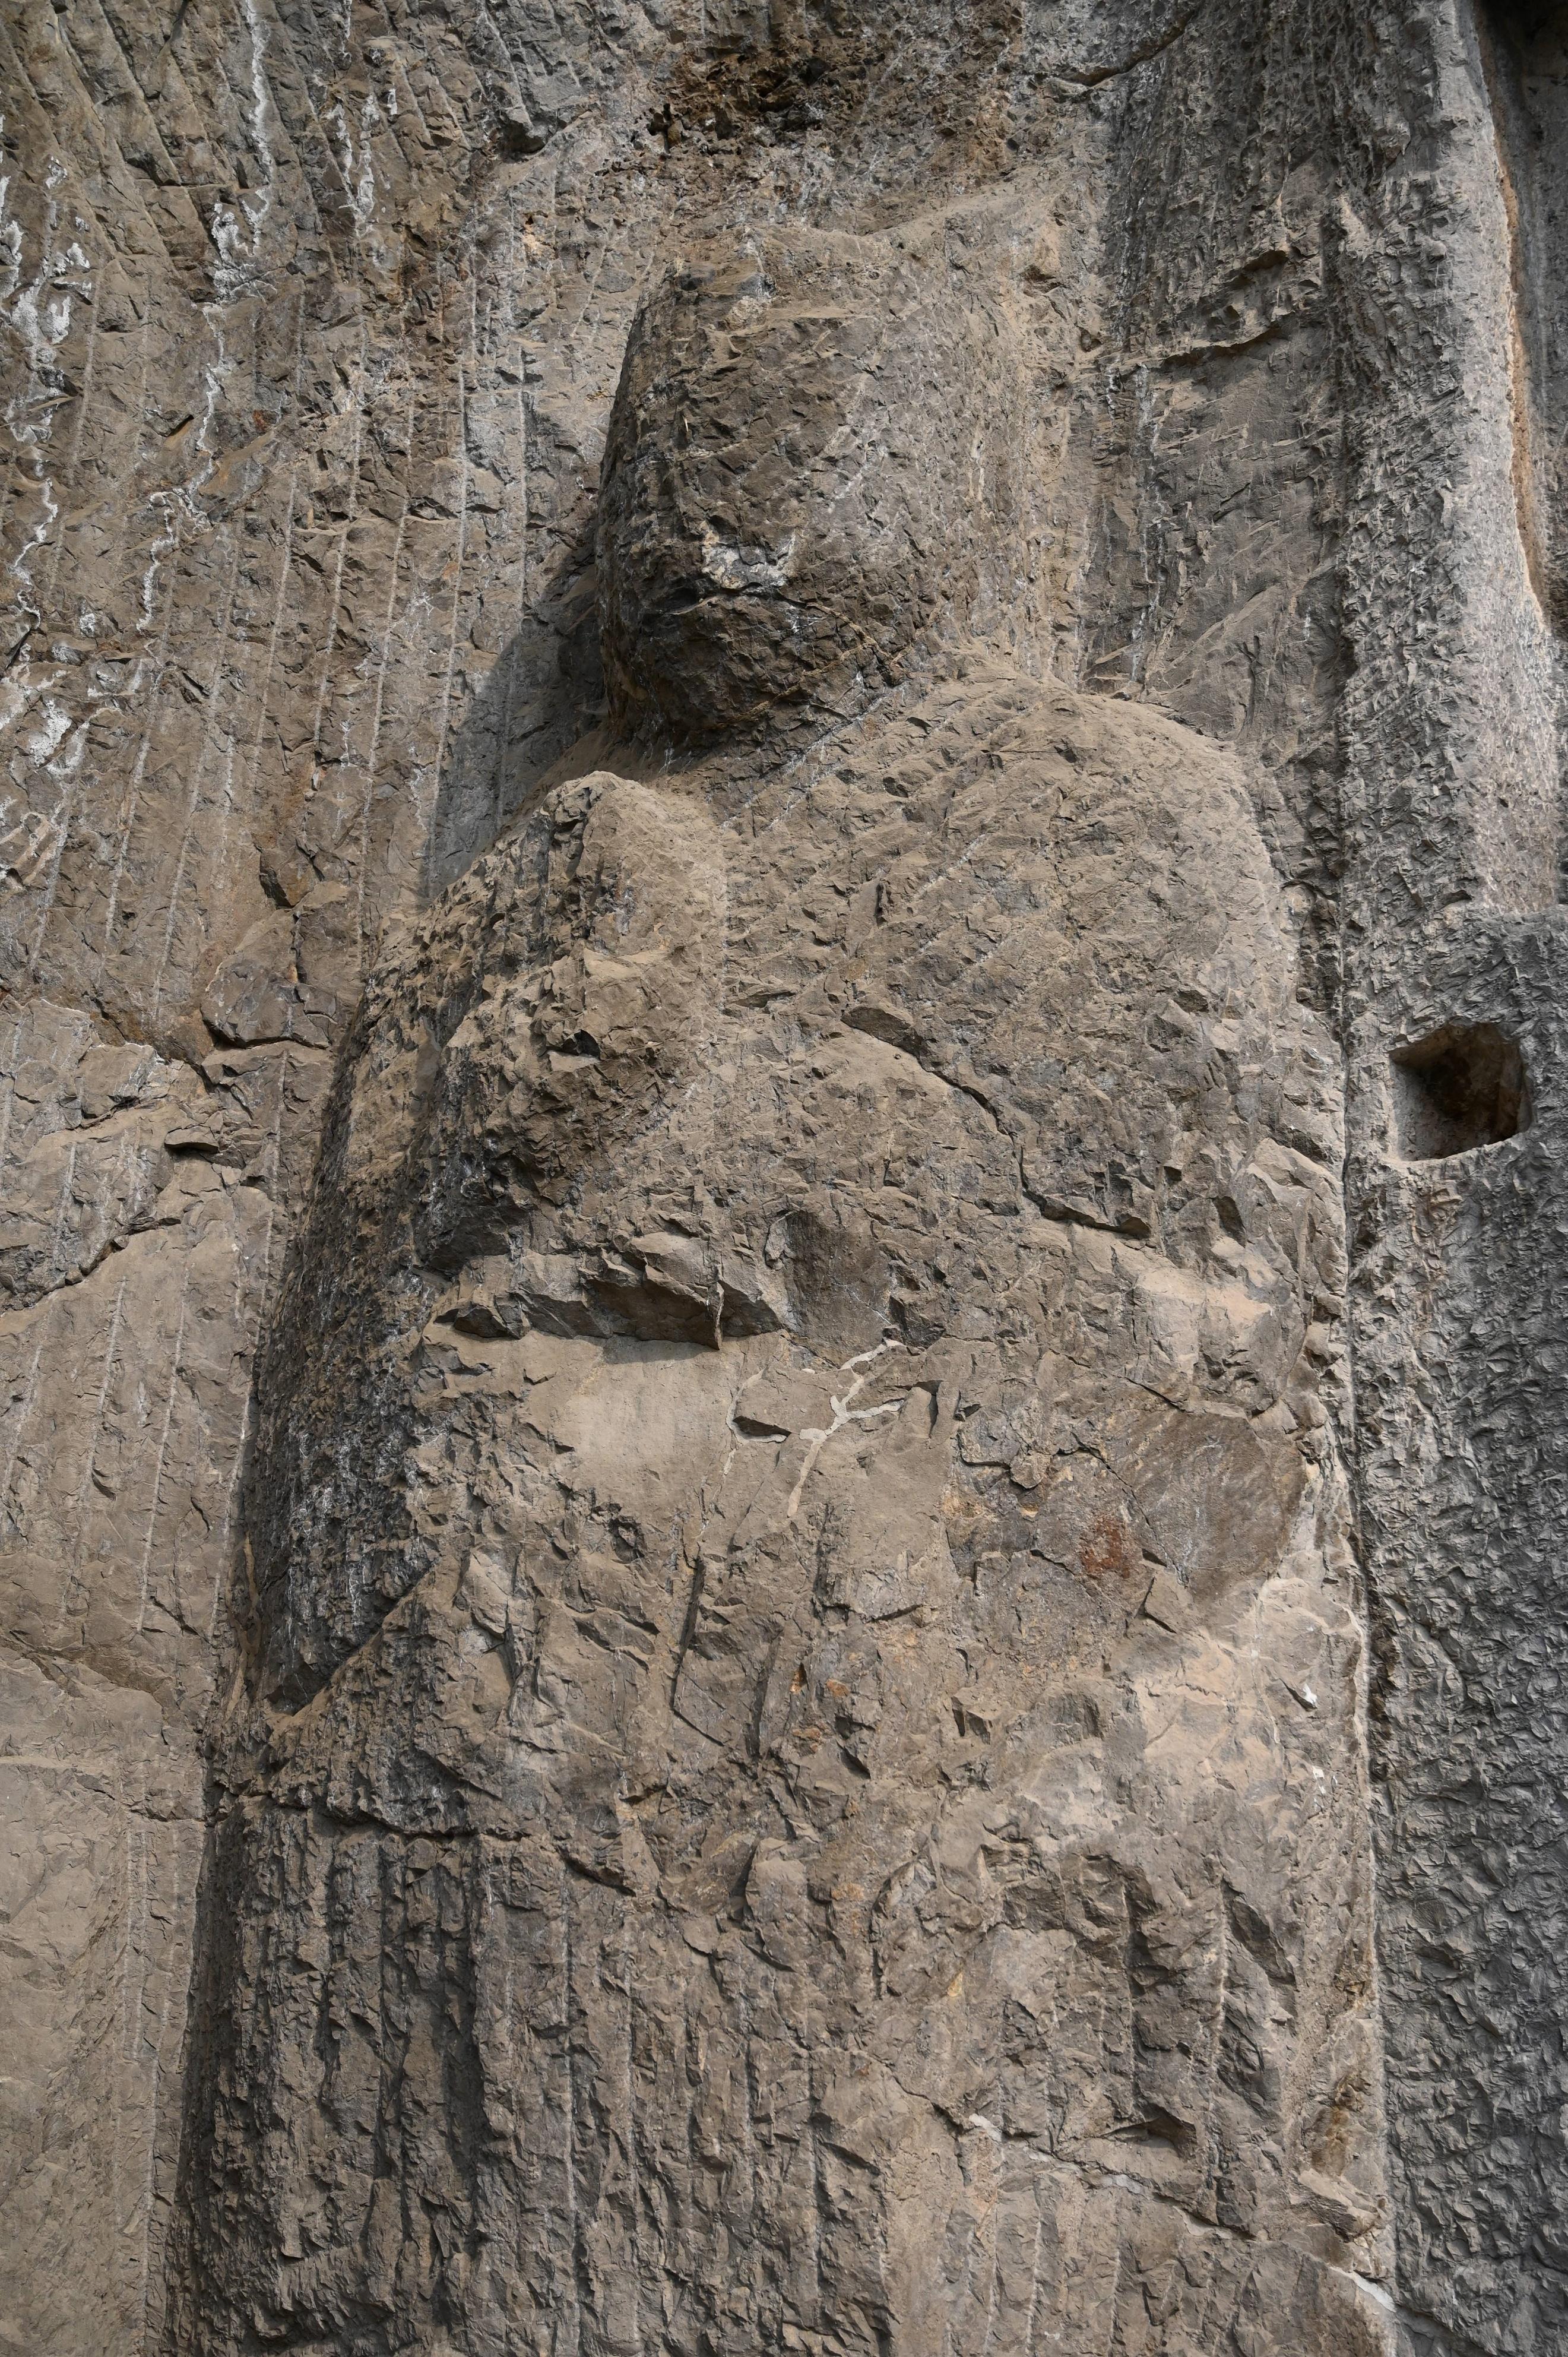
x,y
808,463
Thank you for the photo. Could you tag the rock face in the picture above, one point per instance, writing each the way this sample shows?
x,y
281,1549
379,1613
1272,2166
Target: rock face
x,y
806,1544
781,1486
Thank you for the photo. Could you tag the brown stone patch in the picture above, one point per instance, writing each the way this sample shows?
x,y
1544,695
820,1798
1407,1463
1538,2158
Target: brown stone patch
x,y
1107,1548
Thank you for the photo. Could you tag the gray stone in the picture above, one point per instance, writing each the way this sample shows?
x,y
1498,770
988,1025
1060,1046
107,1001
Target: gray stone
x,y
900,1183
779,843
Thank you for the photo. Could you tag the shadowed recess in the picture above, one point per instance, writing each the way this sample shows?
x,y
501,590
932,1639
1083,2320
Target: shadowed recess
x,y
1461,1087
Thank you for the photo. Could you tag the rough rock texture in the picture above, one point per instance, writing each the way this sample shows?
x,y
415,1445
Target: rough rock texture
x,y
856,1652
925,969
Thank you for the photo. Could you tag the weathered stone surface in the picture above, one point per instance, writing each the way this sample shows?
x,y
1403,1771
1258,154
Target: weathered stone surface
x,y
777,734
884,1617
793,415
793,1506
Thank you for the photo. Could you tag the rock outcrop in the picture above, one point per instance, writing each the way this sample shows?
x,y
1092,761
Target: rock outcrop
x,y
780,1479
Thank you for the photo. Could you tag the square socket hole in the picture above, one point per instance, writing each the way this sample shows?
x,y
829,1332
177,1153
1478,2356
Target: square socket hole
x,y
1461,1087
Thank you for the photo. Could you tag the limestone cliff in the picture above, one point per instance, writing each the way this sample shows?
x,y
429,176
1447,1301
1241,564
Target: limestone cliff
x,y
779,1454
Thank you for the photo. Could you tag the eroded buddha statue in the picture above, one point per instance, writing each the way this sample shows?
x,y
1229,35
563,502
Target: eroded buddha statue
x,y
797,1558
